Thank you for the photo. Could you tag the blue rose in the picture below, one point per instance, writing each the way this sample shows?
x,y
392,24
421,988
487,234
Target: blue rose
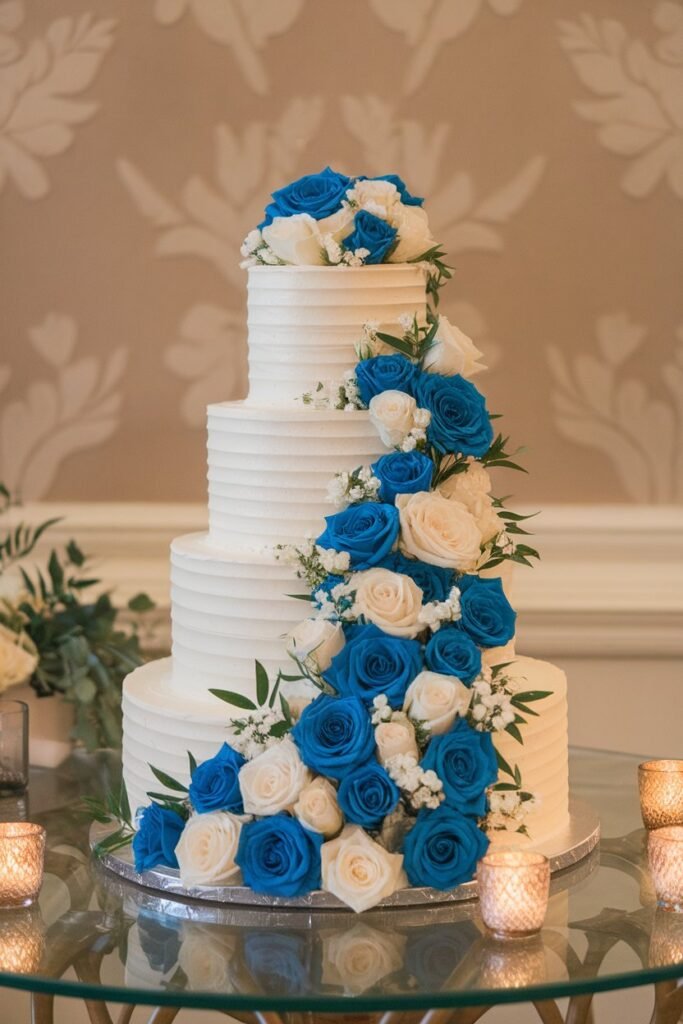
x,y
460,421
406,198
334,734
159,936
465,761
385,373
279,962
452,653
279,857
434,581
367,794
433,951
214,785
318,195
371,233
402,473
486,614
367,531
156,838
372,662
442,849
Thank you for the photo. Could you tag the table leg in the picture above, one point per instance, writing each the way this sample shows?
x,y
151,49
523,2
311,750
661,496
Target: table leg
x,y
668,1002
42,1008
580,1009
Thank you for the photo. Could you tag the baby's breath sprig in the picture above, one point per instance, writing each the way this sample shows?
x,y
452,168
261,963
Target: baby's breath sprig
x,y
312,562
353,488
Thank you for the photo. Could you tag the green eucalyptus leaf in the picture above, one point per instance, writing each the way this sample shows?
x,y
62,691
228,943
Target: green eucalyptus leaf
x,y
238,700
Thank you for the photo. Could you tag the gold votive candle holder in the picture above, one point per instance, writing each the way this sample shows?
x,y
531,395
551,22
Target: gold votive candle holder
x,y
665,854
512,964
660,784
666,939
22,940
22,856
513,891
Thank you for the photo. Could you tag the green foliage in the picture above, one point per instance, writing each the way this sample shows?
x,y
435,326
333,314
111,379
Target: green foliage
x,y
114,808
439,273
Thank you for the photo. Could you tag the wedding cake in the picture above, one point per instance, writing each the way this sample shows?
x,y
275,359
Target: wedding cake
x,y
359,395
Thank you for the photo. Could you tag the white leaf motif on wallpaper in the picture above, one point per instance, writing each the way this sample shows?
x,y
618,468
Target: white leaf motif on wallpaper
x,y
37,113
430,24
596,406
205,355
243,25
640,110
77,407
457,216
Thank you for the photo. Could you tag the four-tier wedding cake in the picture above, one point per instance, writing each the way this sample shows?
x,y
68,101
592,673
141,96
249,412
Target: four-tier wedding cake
x,y
396,719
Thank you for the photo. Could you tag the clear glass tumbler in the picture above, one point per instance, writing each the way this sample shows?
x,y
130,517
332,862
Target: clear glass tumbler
x,y
13,746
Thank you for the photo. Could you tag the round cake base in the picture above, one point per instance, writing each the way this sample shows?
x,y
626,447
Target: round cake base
x,y
566,849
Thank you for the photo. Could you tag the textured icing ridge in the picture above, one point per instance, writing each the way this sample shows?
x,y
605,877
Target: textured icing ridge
x,y
305,321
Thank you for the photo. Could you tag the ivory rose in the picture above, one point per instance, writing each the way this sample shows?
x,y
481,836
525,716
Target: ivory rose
x,y
414,236
436,700
438,530
295,239
378,197
395,737
207,847
359,957
453,352
472,488
207,956
274,779
318,639
390,600
359,871
317,808
392,414
16,664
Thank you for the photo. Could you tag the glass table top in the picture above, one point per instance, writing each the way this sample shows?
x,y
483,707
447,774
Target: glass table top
x,y
95,936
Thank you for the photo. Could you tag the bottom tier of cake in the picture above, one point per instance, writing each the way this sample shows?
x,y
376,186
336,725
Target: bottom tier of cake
x,y
160,727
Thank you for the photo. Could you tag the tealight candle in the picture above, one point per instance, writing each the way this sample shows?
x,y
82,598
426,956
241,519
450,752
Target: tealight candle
x,y
661,793
665,854
513,891
22,853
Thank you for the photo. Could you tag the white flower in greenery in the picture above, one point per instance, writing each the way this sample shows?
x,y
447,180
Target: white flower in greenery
x,y
16,664
414,236
453,352
334,562
472,488
437,700
395,737
382,709
273,781
318,639
317,808
207,847
377,197
296,239
251,243
390,600
435,613
392,414
359,871
437,530
423,788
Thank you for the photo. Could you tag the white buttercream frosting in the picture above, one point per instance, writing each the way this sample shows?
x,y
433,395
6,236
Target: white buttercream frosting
x,y
305,321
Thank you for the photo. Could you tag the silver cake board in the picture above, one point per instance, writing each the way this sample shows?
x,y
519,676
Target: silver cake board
x,y
566,849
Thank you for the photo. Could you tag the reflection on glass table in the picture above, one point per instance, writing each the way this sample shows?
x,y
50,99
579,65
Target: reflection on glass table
x,y
126,944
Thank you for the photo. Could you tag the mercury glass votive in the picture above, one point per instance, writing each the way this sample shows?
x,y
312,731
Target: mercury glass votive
x,y
512,964
22,855
513,891
22,940
13,746
666,939
665,854
660,784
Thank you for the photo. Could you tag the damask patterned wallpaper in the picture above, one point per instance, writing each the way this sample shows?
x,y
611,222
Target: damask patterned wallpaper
x,y
140,138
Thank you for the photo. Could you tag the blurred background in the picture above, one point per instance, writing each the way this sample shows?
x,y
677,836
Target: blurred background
x,y
138,144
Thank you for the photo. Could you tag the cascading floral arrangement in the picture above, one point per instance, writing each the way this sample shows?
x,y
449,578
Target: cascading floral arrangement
x,y
372,766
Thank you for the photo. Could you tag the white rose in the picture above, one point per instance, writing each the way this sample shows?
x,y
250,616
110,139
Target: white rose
x,y
359,871
436,700
397,737
206,955
391,600
472,488
357,959
339,224
274,779
316,638
298,693
207,847
317,808
377,197
453,352
414,236
16,664
391,413
295,239
438,530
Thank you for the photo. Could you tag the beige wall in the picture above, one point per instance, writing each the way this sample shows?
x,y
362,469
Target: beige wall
x,y
139,140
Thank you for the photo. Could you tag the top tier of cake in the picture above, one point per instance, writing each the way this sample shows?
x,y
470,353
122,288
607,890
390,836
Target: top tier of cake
x,y
305,321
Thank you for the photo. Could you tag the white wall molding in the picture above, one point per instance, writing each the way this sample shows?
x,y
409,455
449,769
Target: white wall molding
x,y
610,582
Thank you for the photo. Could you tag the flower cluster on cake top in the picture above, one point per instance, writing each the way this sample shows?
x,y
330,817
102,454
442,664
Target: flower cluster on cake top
x,y
372,765
330,219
